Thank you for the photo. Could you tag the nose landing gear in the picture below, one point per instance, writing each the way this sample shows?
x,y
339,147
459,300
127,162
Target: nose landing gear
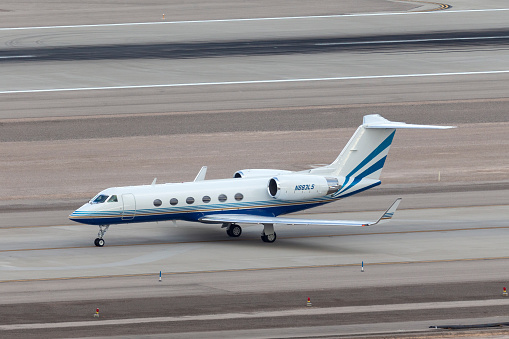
x,y
99,241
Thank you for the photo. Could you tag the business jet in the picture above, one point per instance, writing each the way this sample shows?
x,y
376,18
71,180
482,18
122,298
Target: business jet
x,y
255,196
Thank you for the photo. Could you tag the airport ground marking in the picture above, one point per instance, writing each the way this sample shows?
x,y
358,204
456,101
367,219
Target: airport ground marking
x,y
252,239
259,19
256,82
257,269
294,312
247,110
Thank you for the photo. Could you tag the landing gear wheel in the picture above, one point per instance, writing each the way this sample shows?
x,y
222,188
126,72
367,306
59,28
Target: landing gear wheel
x,y
234,231
269,238
99,242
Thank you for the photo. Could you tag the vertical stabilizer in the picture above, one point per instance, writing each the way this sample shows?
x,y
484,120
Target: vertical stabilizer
x,y
364,155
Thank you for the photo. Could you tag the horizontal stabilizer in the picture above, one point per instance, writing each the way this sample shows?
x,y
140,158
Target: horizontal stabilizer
x,y
377,121
256,219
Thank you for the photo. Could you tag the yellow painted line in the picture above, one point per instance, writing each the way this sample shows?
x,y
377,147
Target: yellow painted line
x,y
39,226
233,270
119,245
441,6
252,239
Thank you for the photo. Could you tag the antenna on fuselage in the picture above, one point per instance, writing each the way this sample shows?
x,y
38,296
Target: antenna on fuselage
x,y
201,174
154,182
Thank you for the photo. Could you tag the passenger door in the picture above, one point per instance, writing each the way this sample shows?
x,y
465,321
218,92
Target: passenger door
x,y
129,206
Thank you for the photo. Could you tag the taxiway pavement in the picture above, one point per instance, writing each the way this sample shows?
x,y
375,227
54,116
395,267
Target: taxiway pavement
x,y
443,258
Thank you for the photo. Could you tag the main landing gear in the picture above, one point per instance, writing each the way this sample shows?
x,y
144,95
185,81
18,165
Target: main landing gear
x,y
233,230
268,238
268,234
99,242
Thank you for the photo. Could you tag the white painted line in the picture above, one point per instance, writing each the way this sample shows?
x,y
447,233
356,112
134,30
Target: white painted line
x,y
251,82
261,19
17,56
409,40
304,311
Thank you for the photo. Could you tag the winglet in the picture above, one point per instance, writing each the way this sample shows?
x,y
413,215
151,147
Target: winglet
x,y
388,214
201,174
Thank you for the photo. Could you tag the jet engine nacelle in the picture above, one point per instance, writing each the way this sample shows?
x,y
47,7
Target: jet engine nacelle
x,y
252,173
297,187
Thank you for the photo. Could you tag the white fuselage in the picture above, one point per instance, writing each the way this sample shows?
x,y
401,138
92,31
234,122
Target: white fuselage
x,y
192,200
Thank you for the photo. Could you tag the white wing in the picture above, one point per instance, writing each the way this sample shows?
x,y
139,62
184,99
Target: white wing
x,y
256,219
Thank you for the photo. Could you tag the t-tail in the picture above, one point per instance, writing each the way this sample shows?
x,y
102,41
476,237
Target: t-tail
x,y
360,163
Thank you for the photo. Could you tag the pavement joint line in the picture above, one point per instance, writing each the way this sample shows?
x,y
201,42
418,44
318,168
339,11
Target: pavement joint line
x,y
221,111
251,239
259,19
304,311
258,82
258,269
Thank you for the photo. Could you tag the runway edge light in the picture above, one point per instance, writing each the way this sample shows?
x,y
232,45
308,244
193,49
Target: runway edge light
x,y
309,302
504,293
160,276
96,315
362,266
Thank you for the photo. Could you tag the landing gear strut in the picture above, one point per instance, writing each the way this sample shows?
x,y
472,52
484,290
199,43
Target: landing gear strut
x,y
99,241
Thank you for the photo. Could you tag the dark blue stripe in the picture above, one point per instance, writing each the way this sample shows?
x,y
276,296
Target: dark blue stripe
x,y
361,190
386,143
373,168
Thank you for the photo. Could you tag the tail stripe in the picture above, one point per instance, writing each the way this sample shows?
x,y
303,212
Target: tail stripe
x,y
373,168
386,143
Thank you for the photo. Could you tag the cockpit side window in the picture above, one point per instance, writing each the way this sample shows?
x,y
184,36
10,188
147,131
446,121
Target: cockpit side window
x,y
113,198
100,199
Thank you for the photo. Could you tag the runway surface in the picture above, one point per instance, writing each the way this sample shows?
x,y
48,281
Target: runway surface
x,y
115,94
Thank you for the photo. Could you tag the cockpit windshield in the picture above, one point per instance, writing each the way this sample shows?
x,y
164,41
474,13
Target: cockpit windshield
x,y
113,198
99,199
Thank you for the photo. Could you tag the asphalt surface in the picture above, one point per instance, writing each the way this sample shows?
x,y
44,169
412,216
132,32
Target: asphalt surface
x,y
87,107
493,40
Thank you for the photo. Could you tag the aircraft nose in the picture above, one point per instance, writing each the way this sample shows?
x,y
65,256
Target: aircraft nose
x,y
78,214
72,216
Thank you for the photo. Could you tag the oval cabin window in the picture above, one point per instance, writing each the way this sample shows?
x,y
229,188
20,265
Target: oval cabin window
x,y
157,203
239,196
190,200
174,201
222,198
206,199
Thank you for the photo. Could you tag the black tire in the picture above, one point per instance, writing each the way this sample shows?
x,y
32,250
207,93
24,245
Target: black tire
x,y
228,231
235,231
269,238
96,241
100,242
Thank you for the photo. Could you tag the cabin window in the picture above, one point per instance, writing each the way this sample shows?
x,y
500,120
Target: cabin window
x,y
222,198
239,196
100,199
190,200
174,201
157,203
113,198
206,199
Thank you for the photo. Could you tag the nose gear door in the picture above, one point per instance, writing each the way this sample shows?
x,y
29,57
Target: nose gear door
x,y
129,206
